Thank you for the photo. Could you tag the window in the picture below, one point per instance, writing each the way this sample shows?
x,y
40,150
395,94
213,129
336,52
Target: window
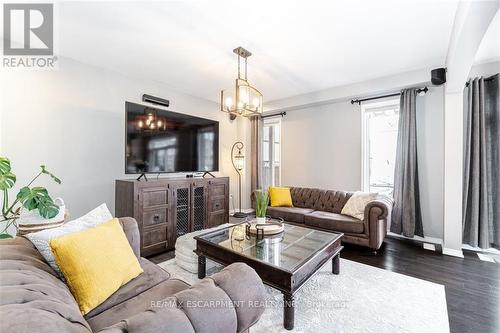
x,y
380,135
206,141
162,153
271,152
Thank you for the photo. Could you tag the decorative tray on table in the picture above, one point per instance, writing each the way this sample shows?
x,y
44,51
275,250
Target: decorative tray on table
x,y
271,227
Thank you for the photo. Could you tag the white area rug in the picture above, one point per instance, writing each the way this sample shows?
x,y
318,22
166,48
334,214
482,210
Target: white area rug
x,y
361,299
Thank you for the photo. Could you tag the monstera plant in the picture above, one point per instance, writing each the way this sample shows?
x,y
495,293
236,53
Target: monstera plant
x,y
28,197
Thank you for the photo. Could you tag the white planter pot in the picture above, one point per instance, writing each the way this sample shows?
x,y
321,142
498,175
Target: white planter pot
x,y
261,220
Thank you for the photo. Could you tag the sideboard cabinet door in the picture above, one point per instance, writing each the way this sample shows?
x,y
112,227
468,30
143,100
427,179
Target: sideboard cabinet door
x,y
218,202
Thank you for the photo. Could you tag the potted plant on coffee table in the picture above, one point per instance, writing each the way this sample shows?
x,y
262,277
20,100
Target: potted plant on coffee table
x,y
261,202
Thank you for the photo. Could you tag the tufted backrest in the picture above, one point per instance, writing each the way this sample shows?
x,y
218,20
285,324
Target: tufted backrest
x,y
32,297
323,200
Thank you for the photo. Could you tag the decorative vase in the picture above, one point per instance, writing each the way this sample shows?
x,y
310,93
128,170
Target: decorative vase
x,y
261,220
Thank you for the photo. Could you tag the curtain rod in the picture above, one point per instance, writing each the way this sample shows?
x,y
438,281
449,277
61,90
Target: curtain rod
x,y
486,79
274,115
357,100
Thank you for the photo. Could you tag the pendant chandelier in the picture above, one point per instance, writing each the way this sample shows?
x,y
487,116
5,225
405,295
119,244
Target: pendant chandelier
x,y
150,121
246,100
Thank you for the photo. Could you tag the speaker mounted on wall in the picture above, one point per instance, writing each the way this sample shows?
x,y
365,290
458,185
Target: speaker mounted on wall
x,y
155,100
438,76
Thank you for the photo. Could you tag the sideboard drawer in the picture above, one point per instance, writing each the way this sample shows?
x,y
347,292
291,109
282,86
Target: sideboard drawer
x,y
153,236
153,217
217,204
216,219
154,198
218,189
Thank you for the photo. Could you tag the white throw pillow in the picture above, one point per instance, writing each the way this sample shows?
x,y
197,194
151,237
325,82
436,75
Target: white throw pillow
x,y
356,204
42,238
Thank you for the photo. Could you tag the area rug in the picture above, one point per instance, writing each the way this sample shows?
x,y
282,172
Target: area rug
x,y
361,299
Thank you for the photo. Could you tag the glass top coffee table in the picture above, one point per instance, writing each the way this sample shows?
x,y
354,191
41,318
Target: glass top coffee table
x,y
284,261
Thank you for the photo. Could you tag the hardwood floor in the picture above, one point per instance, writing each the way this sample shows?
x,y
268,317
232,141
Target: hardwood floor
x,y
162,257
472,286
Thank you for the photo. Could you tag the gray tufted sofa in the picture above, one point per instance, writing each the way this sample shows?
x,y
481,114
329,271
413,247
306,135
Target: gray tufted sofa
x,y
34,299
322,209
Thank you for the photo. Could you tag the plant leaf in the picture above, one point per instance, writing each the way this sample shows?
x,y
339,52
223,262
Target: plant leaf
x,y
47,208
47,172
38,198
4,236
4,165
261,201
31,197
7,180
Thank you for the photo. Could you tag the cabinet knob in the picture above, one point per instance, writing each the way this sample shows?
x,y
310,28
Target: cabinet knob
x,y
156,217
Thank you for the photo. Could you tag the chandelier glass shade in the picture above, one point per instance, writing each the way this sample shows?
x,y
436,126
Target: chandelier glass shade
x,y
245,100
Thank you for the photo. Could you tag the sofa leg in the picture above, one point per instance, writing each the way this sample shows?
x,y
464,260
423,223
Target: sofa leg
x,y
373,252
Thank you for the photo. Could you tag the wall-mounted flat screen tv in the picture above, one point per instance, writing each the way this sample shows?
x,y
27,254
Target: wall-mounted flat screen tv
x,y
160,141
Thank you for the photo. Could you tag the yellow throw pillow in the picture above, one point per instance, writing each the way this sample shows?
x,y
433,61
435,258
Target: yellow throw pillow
x,y
96,262
280,197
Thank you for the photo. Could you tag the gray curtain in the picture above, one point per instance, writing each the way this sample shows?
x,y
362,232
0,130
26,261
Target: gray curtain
x,y
481,190
406,216
256,124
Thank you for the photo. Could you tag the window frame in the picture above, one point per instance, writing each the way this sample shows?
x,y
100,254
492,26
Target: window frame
x,y
366,108
270,121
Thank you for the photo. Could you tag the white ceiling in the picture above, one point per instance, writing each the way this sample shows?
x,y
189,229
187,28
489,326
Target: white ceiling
x,y
298,46
489,49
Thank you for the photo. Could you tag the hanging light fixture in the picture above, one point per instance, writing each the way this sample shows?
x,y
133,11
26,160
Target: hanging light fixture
x,y
246,100
150,121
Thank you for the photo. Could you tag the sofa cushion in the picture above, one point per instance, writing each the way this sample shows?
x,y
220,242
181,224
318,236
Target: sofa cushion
x,y
292,214
334,222
141,302
153,275
31,294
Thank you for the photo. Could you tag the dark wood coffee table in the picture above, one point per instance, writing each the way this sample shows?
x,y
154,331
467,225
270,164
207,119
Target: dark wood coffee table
x,y
284,262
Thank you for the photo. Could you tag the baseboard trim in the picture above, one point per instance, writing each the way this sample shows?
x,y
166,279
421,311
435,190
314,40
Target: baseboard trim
x,y
480,250
432,240
247,211
453,252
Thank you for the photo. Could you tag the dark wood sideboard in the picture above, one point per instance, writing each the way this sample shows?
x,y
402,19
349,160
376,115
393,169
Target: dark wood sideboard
x,y
167,208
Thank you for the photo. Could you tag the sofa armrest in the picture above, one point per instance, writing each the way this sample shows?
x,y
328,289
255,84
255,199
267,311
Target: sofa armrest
x,y
381,207
229,301
131,230
377,213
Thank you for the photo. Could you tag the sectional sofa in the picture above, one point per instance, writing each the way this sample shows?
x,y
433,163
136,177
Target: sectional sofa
x,y
34,299
322,209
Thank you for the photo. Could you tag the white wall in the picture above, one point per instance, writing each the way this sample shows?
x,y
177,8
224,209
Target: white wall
x,y
486,69
72,120
322,148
